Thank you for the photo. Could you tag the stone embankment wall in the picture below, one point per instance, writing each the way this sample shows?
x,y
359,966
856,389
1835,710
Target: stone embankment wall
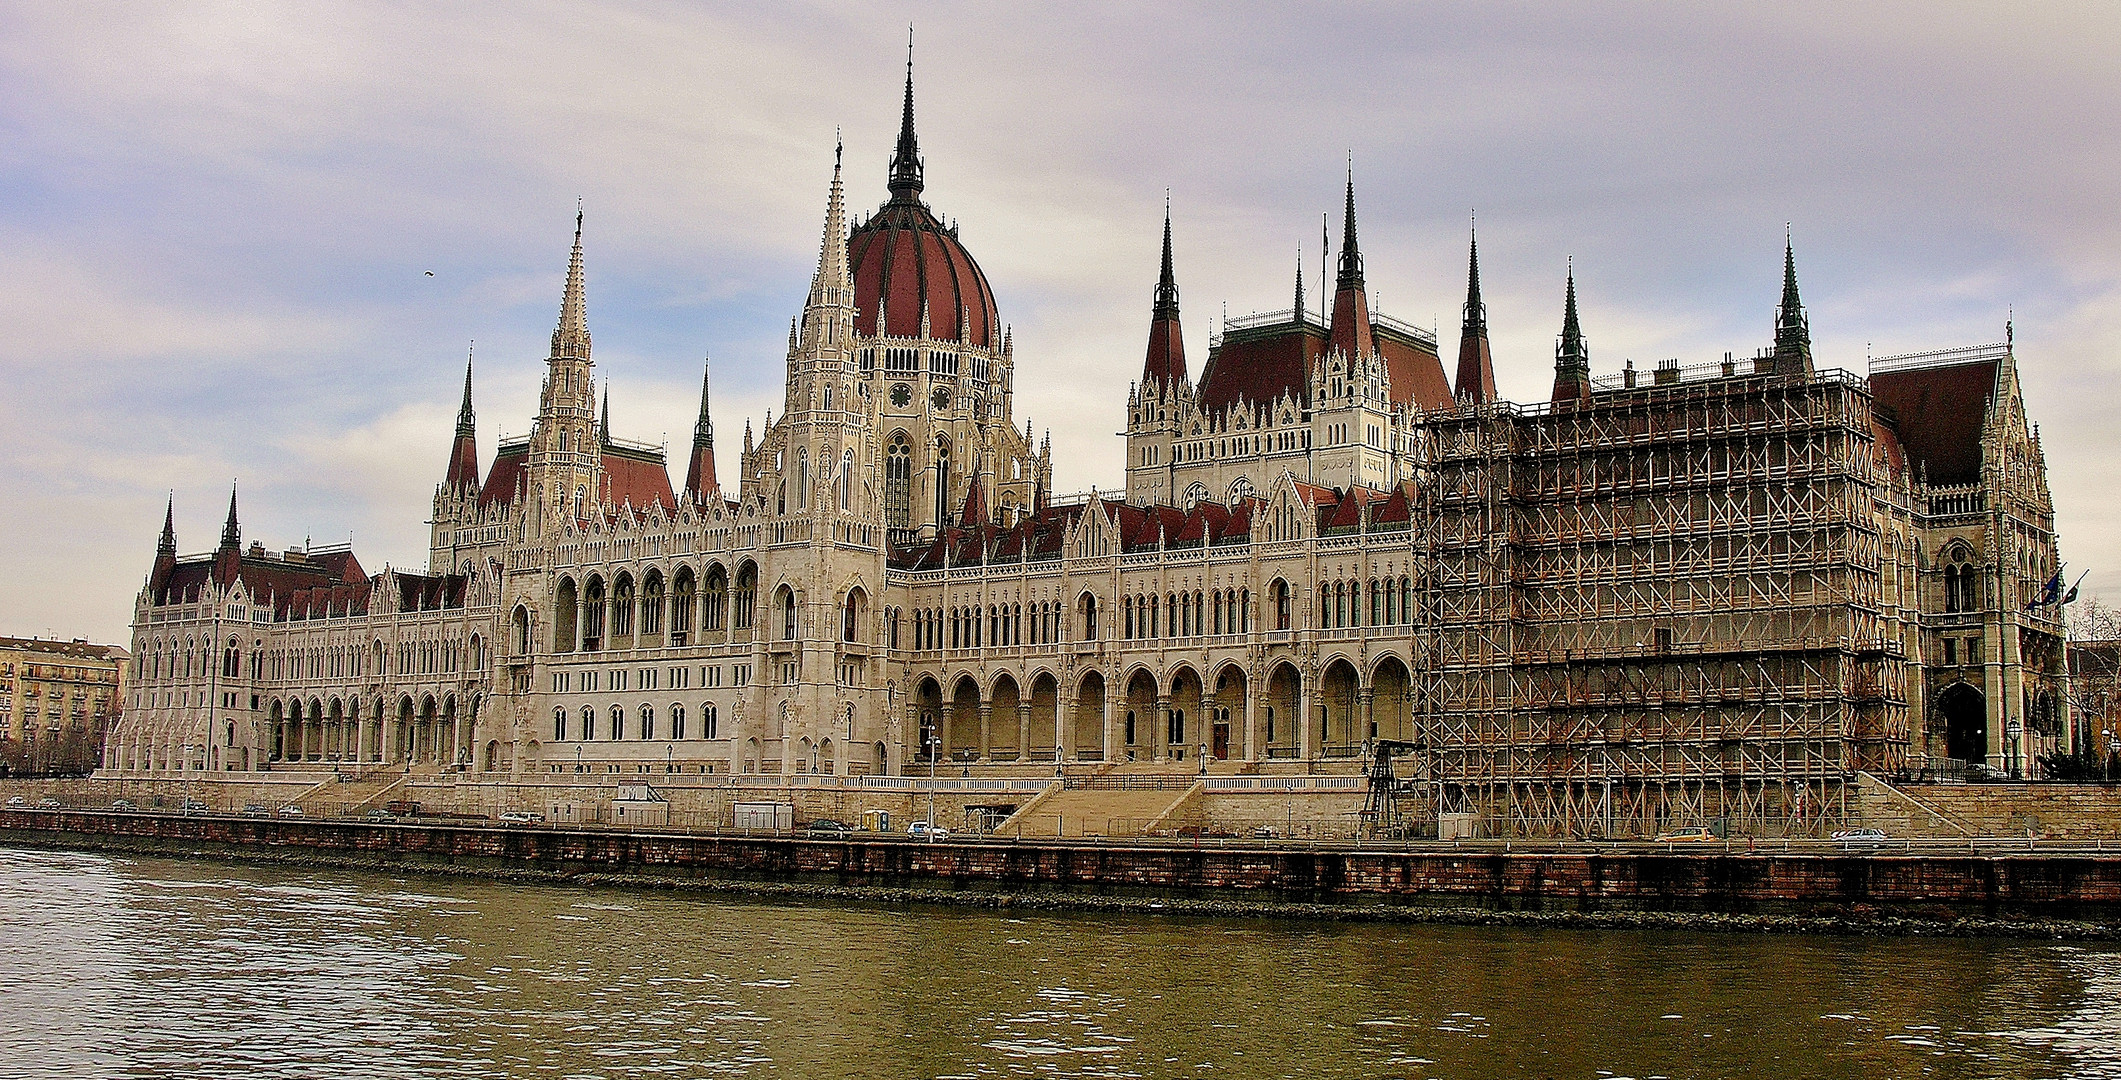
x,y
1951,811
1938,885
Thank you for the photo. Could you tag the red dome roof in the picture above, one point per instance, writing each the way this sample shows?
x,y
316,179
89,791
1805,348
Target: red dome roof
x,y
906,264
907,258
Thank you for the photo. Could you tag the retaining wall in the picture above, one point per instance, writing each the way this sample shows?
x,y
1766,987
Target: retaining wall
x,y
1928,885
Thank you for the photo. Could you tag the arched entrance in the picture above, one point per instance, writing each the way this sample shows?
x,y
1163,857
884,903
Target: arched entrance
x,y
1965,715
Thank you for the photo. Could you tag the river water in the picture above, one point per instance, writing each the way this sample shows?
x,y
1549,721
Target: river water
x,y
119,967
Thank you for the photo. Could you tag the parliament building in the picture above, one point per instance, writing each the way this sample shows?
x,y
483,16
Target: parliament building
x,y
1716,591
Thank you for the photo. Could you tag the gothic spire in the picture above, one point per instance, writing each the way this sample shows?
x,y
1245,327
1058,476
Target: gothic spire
x,y
907,170
699,476
167,546
463,471
1165,362
1572,359
1299,284
571,337
231,532
1793,330
1476,362
1350,255
466,421
604,423
1351,332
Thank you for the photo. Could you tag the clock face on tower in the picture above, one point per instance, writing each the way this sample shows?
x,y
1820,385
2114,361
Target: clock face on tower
x,y
940,399
901,395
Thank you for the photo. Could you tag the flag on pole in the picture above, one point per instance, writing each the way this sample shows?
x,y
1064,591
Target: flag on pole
x,y
2049,593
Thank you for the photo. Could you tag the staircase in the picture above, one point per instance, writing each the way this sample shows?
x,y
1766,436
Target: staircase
x,y
1118,803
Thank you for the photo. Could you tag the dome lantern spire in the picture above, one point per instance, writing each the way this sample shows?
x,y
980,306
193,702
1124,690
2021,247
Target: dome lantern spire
x,y
907,171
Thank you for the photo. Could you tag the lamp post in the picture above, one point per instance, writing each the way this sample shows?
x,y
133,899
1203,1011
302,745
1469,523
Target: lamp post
x,y
188,750
935,745
2013,732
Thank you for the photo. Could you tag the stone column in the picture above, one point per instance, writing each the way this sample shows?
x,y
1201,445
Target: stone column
x,y
1159,729
1306,723
986,728
1023,730
1251,750
914,748
1111,725
1063,726
1363,714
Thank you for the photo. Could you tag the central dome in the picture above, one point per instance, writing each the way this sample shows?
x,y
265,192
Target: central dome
x,y
907,266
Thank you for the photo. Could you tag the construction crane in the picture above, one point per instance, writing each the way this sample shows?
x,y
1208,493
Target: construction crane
x,y
1381,814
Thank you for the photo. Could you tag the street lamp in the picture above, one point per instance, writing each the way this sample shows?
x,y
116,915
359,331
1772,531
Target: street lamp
x,y
935,749
2013,732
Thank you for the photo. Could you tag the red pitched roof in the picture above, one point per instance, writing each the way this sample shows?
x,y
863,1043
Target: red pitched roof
x,y
507,471
1259,366
1416,371
637,478
1938,413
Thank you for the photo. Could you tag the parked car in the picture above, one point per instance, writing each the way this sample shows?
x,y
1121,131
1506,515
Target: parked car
x,y
522,817
828,829
48,803
1686,836
1856,837
193,806
1266,832
123,804
255,810
18,800
290,810
926,832
379,812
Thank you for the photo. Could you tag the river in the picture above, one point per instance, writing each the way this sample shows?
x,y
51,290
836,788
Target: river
x,y
120,967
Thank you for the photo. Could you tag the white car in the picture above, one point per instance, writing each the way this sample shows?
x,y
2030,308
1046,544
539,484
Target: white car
x,y
522,817
1860,836
926,832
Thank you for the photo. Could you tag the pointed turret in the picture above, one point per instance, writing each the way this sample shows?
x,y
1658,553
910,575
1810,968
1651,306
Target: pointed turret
x,y
1351,331
907,170
1793,330
167,546
231,531
699,476
1476,364
604,422
571,337
463,472
1572,359
1299,285
974,512
1165,364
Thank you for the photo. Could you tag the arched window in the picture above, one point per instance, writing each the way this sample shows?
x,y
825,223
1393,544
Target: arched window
x,y
622,606
589,723
1087,607
677,721
618,723
942,479
652,603
746,598
683,598
593,615
1279,593
898,482
647,721
851,616
788,613
714,608
559,725
707,721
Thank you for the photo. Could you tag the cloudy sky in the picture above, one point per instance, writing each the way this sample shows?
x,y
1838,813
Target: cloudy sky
x,y
216,220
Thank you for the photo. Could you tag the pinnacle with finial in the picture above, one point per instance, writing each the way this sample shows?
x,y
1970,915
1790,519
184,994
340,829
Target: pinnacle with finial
x,y
1167,282
231,532
466,421
1476,312
168,543
571,337
703,430
1350,254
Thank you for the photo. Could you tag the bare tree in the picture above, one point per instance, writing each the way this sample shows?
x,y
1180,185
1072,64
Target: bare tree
x,y
2094,698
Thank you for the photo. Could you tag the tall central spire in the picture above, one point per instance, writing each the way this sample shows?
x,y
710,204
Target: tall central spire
x,y
231,532
167,545
906,168
467,423
1166,284
462,475
571,337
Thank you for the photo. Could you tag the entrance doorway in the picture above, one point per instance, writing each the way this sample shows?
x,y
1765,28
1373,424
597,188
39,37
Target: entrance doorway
x,y
1965,714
